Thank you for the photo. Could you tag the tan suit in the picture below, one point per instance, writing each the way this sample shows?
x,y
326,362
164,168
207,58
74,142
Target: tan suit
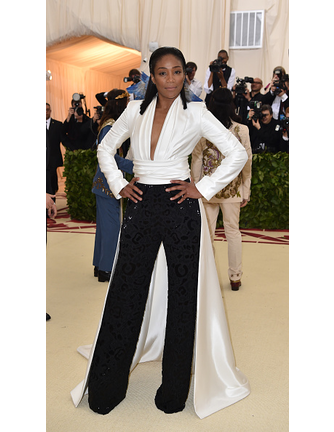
x,y
205,160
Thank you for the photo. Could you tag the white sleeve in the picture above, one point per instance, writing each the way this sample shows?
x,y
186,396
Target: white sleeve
x,y
206,88
231,80
196,87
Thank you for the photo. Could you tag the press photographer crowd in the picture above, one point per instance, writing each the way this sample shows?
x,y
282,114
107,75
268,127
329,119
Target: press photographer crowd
x,y
264,110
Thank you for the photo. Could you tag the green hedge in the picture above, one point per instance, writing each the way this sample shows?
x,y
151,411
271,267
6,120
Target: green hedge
x,y
80,168
269,203
268,207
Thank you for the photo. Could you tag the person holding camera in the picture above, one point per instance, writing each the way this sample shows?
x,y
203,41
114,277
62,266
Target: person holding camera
x,y
218,74
264,130
135,77
78,127
243,98
278,94
193,84
205,160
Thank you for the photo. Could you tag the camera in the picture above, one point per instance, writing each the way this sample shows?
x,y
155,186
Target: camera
x,y
217,65
280,83
189,70
134,78
77,98
240,87
256,106
99,111
284,124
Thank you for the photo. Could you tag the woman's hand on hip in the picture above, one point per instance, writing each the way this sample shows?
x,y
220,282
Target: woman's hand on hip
x,y
131,191
187,190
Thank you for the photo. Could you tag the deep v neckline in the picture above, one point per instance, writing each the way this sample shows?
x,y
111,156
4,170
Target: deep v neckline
x,y
163,126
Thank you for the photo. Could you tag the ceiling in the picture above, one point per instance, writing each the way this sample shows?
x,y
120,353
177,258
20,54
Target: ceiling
x,y
96,54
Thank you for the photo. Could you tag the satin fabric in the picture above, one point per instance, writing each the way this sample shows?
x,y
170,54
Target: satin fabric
x,y
180,133
218,383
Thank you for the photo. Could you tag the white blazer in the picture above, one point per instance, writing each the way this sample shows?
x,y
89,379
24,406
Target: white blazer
x,y
180,133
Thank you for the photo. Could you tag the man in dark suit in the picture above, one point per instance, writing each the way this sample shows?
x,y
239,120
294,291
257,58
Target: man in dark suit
x,y
54,132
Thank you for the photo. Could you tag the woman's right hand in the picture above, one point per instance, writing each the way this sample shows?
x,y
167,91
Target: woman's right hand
x,y
131,191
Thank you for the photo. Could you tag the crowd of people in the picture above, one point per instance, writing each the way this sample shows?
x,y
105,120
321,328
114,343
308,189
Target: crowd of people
x,y
264,111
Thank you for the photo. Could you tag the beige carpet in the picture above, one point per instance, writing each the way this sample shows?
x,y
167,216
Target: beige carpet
x,y
258,319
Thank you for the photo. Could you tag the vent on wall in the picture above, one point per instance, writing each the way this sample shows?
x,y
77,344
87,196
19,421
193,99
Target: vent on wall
x,y
246,29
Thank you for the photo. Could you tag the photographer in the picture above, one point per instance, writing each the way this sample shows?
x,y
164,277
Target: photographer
x,y
193,84
135,77
78,127
264,130
242,98
218,74
278,94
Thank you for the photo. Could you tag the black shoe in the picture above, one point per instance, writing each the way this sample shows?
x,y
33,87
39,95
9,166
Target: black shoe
x,y
96,271
235,285
103,276
47,316
168,406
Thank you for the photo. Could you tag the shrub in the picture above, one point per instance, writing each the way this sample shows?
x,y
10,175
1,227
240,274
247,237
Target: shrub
x,y
80,167
268,207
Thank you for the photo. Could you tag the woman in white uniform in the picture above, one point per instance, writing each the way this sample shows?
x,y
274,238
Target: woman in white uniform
x,y
164,208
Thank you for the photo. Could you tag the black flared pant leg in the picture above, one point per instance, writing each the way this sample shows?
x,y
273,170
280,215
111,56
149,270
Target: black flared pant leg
x,y
154,220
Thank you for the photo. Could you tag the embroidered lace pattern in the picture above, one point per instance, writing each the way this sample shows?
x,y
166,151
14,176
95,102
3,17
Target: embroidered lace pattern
x,y
98,184
212,158
146,224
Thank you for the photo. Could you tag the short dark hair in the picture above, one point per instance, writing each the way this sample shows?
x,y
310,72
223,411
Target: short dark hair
x,y
151,90
191,65
267,108
223,51
134,72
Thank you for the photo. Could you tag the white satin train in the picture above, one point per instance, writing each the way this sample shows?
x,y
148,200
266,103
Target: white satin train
x,y
218,383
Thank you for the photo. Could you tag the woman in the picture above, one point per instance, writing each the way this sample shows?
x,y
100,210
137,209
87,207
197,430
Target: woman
x,y
164,210
107,207
205,160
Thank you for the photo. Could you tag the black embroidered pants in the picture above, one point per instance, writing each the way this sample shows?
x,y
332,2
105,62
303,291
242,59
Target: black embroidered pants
x,y
146,224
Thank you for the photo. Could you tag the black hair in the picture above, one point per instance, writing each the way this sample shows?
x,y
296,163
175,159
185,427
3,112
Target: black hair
x,y
223,51
151,90
267,108
191,65
222,107
134,72
114,107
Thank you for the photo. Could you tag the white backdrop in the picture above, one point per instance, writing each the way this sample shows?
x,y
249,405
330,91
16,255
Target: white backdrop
x,y
200,28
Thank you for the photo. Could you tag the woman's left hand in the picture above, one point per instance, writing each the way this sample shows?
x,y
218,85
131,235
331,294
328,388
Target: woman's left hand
x,y
187,190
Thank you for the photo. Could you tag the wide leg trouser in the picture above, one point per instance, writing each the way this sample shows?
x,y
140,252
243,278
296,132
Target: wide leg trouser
x,y
146,224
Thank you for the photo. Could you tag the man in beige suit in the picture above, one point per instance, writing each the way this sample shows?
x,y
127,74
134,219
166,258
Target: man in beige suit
x,y
205,159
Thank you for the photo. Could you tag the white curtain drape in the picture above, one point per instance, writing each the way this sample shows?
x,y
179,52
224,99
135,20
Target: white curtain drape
x,y
199,28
